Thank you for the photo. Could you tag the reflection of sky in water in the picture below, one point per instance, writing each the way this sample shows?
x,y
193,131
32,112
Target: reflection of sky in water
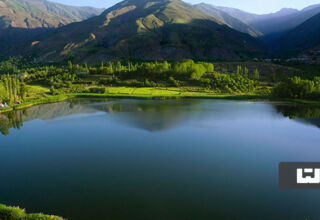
x,y
201,158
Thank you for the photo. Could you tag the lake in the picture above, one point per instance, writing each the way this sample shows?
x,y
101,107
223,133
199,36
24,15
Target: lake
x,y
158,159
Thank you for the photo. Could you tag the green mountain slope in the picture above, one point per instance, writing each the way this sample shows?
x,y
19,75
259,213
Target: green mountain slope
x,y
149,30
228,19
40,14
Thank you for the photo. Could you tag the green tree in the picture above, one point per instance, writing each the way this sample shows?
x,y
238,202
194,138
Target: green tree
x,y
256,74
70,67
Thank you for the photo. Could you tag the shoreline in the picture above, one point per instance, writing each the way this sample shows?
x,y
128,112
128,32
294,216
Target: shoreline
x,y
248,97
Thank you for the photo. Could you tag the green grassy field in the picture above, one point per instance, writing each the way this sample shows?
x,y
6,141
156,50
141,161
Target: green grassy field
x,y
167,92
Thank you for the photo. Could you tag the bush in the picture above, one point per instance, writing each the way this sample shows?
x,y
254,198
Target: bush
x,y
14,213
105,81
131,83
101,90
227,83
297,88
173,82
10,213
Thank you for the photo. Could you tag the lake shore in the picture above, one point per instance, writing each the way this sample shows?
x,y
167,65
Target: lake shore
x,y
155,93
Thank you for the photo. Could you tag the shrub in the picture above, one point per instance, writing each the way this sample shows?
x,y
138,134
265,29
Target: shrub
x,y
297,88
15,213
100,90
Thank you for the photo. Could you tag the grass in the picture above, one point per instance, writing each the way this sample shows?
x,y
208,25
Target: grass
x,y
146,93
15,213
50,99
162,92
37,91
6,109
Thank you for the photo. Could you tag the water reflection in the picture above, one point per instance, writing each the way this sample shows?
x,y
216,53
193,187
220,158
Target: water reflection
x,y
15,119
152,115
302,113
9,120
297,111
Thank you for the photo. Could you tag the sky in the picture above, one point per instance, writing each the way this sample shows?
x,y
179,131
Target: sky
x,y
253,6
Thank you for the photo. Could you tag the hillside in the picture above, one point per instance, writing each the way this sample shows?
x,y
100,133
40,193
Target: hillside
x,y
285,22
300,39
32,14
228,19
281,21
243,16
149,30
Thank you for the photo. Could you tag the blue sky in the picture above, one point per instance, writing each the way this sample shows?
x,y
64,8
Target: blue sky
x,y
254,6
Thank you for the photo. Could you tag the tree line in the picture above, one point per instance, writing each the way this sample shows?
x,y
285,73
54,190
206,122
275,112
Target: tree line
x,y
297,88
69,77
12,89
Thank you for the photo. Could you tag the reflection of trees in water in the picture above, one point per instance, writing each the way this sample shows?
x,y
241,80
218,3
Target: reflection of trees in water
x,y
298,111
306,113
60,109
150,115
144,114
13,119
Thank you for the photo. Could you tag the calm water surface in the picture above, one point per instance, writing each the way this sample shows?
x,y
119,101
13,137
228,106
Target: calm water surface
x,y
151,159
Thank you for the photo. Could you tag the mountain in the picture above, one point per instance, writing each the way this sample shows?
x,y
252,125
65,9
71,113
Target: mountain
x,y
300,39
311,7
148,30
243,16
24,20
228,19
30,14
285,22
281,21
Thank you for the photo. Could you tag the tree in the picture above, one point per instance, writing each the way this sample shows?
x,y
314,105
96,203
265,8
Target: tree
x,y
245,72
70,66
12,88
52,90
23,92
86,69
166,66
295,88
118,67
197,71
256,74
239,70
